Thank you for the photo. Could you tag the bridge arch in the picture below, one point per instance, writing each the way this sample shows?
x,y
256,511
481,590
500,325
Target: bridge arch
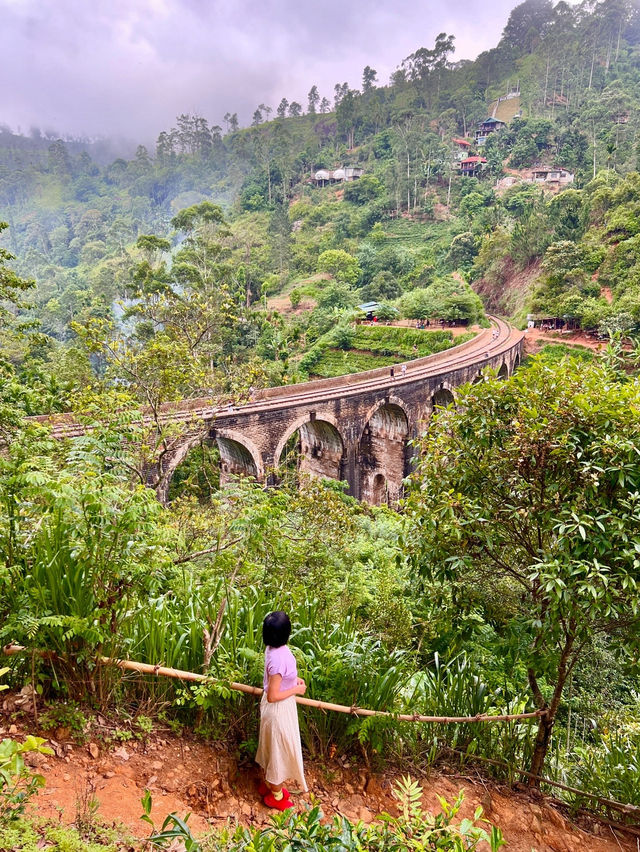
x,y
390,400
320,444
382,453
516,362
239,456
503,372
443,396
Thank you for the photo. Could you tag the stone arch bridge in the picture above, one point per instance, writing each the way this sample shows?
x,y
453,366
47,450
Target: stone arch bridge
x,y
355,428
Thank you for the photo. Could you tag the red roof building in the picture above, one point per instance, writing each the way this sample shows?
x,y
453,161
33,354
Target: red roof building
x,y
460,148
471,166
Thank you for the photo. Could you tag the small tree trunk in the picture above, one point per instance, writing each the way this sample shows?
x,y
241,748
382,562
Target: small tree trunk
x,y
593,62
408,183
543,738
546,81
545,726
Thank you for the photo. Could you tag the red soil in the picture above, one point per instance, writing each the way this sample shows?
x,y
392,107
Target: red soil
x,y
535,339
186,775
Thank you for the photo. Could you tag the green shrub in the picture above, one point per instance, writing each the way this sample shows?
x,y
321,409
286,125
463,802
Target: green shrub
x,y
295,297
18,785
413,830
340,265
610,767
64,715
342,336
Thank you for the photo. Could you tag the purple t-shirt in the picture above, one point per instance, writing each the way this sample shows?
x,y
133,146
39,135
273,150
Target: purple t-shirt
x,y
280,661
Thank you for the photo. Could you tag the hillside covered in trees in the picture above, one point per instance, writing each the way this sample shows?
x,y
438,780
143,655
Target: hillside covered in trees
x,y
410,221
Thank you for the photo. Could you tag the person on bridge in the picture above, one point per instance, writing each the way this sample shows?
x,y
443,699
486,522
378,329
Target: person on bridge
x,y
403,370
279,750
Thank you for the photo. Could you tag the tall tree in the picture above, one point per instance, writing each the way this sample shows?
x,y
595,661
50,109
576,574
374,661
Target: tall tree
x,y
369,78
59,160
527,22
280,236
346,114
282,108
185,316
313,99
339,91
527,499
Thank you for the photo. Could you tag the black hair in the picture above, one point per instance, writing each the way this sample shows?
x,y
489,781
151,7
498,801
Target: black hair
x,y
276,629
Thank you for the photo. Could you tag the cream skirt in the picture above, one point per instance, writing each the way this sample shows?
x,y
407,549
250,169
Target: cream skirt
x,y
279,751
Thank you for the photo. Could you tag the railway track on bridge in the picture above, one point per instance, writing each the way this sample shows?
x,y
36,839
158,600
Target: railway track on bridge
x,y
481,350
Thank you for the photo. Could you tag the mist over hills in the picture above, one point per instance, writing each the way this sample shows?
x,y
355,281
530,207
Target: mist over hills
x,y
126,69
75,209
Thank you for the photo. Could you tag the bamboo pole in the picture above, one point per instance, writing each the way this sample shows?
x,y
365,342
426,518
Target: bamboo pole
x,y
146,668
619,806
179,674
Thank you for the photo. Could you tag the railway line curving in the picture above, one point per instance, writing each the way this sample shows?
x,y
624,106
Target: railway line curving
x,y
356,427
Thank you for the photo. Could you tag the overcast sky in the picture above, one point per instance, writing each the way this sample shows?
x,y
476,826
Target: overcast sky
x,y
128,67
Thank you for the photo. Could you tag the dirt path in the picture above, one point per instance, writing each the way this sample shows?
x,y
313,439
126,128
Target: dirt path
x,y
185,775
535,339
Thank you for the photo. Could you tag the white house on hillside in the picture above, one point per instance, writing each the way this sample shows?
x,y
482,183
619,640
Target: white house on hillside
x,y
345,173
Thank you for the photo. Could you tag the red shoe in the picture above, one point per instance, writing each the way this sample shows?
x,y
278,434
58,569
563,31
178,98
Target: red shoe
x,y
263,790
279,804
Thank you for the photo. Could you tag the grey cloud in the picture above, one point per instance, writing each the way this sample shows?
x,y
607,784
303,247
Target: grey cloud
x,y
129,66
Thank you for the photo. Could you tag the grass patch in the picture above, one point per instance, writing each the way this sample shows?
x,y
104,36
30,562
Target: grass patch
x,y
33,835
377,346
398,340
556,352
416,234
337,362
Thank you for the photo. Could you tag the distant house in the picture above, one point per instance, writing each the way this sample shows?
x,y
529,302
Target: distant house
x,y
371,309
553,176
548,178
487,127
471,166
460,148
345,173
550,323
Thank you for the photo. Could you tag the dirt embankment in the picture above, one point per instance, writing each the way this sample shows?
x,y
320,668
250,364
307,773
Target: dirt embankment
x,y
186,775
508,296
535,339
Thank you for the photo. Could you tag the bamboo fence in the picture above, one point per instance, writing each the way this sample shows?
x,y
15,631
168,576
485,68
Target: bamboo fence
x,y
194,677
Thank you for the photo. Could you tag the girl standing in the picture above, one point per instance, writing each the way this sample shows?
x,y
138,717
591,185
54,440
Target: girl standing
x,y
279,750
